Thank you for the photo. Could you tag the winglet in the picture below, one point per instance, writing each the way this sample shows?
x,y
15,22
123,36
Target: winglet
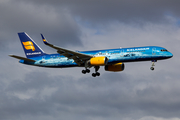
x,y
44,40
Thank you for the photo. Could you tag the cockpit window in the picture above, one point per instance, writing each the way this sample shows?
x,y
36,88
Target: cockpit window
x,y
164,50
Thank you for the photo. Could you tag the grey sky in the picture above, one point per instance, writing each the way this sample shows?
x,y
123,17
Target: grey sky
x,y
137,93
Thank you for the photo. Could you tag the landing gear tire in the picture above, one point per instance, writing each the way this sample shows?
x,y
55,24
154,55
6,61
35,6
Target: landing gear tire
x,y
85,71
96,74
152,68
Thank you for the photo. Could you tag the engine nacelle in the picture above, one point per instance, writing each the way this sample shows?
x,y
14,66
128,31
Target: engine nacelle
x,y
98,61
115,67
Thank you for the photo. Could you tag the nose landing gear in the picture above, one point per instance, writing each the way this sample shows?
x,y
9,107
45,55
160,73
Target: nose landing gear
x,y
153,64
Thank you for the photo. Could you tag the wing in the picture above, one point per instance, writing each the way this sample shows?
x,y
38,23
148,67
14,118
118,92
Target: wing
x,y
79,58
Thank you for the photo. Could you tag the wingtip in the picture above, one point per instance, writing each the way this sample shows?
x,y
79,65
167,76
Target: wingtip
x,y
11,55
42,36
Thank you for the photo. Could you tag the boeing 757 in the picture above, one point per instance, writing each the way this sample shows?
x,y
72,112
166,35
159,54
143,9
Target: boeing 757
x,y
112,59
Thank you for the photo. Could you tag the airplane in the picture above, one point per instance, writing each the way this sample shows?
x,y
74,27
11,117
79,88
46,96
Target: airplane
x,y
112,59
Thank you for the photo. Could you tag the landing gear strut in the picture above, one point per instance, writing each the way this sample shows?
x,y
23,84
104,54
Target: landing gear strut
x,y
96,73
86,70
153,64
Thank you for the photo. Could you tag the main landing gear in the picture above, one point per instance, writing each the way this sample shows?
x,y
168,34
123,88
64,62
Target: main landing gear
x,y
153,64
85,71
96,73
93,74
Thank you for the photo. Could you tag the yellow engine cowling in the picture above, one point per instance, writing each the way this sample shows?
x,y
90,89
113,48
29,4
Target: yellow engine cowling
x,y
115,67
98,61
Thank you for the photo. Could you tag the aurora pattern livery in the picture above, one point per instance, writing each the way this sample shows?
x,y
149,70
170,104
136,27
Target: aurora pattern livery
x,y
112,59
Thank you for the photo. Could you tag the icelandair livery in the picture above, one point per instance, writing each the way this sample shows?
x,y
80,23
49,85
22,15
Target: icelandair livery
x,y
112,59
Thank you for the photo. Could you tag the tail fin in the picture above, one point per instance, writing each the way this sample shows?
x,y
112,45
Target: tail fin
x,y
31,49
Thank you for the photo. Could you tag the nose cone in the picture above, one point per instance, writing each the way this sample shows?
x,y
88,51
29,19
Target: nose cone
x,y
169,55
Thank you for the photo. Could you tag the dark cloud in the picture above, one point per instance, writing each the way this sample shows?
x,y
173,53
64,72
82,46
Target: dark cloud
x,y
59,26
29,92
100,11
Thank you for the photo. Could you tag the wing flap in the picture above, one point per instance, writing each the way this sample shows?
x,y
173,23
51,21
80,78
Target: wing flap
x,y
22,58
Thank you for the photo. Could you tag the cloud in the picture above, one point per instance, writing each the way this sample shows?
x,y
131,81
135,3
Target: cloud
x,y
134,93
24,17
100,11
156,118
119,96
29,92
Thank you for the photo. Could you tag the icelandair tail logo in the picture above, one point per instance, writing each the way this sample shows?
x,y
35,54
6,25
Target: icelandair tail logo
x,y
29,45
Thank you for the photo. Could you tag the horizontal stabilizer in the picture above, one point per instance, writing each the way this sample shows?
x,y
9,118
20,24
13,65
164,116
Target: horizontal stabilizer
x,y
22,58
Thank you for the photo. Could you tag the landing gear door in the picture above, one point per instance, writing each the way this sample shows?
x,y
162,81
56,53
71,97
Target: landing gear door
x,y
153,51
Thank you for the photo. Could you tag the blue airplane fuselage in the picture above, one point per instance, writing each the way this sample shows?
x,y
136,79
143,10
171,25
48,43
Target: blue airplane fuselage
x,y
133,54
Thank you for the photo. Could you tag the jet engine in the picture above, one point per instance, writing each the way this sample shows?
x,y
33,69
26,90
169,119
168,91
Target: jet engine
x,y
115,67
98,61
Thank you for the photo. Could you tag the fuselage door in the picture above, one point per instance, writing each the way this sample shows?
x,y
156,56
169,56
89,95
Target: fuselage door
x,y
122,53
153,51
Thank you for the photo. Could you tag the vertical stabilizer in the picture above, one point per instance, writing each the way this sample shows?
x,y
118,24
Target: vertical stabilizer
x,y
31,49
